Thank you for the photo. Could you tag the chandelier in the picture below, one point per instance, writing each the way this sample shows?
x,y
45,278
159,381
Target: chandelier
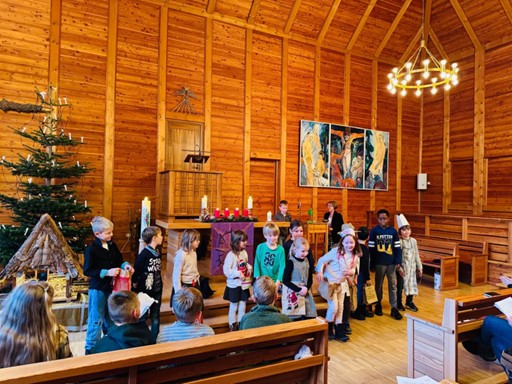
x,y
423,70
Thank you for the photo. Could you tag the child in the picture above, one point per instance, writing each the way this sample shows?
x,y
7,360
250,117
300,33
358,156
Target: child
x,y
238,272
296,231
339,266
29,332
411,264
298,275
187,305
283,214
270,260
363,276
102,262
127,331
185,272
386,253
263,313
148,275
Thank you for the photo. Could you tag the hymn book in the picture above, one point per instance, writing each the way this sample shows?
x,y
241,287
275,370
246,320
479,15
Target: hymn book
x,y
505,306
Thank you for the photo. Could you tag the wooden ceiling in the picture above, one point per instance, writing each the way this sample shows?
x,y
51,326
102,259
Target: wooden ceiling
x,y
386,30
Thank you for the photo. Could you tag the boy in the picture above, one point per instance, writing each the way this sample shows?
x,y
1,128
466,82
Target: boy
x,y
363,278
148,275
187,305
269,259
386,254
127,331
103,261
283,214
263,313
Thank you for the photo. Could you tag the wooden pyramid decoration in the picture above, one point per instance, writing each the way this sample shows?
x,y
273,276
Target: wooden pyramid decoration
x,y
45,249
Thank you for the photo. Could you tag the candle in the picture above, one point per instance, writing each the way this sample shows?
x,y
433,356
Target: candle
x,y
269,216
3,158
60,225
216,214
28,158
43,95
237,213
65,100
245,213
204,202
249,202
59,101
26,230
81,139
69,135
85,203
145,215
77,163
23,129
30,180
65,187
226,212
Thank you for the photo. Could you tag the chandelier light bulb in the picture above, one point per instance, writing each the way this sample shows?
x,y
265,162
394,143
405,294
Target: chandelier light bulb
x,y
426,74
393,91
434,90
447,87
418,92
403,92
408,77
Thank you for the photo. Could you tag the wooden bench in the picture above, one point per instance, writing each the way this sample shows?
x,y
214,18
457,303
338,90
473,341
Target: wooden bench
x,y
443,256
432,344
261,355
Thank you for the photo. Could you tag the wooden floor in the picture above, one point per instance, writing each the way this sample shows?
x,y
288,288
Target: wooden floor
x,y
377,350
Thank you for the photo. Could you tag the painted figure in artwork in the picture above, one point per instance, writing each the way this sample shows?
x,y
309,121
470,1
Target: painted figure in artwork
x,y
311,156
379,154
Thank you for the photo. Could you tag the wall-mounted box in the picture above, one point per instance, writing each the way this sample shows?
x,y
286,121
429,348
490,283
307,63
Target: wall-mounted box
x,y
421,182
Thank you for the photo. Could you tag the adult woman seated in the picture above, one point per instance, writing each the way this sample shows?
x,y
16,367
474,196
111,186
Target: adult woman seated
x,y
29,332
335,221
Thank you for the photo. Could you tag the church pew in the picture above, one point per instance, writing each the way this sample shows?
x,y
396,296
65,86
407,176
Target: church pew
x,y
441,255
262,355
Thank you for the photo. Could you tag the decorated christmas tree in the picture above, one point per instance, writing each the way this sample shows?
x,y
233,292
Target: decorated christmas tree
x,y
46,176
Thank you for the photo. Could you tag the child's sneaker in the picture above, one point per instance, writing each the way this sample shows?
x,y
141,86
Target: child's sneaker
x,y
400,307
411,307
395,314
378,310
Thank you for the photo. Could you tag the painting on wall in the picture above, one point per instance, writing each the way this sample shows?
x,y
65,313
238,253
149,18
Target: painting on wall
x,y
340,156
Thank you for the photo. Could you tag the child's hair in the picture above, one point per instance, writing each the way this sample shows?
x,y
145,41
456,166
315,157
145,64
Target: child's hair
x,y
188,237
101,224
270,229
300,242
187,303
333,203
381,211
283,202
294,224
348,230
122,305
149,232
236,238
362,233
264,290
28,328
405,227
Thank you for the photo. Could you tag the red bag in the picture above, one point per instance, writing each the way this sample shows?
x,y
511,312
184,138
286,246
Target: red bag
x,y
122,282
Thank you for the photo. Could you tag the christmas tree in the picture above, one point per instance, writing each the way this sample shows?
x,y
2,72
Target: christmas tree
x,y
46,177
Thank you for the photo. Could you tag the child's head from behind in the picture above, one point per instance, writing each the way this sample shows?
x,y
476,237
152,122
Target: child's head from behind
x,y
102,228
124,307
264,290
271,233
296,229
362,233
300,248
383,217
190,240
238,241
283,207
152,232
187,304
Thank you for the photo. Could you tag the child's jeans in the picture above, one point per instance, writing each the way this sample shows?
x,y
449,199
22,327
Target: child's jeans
x,y
97,318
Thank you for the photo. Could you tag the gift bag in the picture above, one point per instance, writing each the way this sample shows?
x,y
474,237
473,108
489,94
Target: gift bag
x,y
293,304
325,290
371,296
122,282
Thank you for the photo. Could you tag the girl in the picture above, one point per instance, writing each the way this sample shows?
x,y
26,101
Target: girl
x,y
238,272
298,277
185,272
338,268
29,332
296,231
411,264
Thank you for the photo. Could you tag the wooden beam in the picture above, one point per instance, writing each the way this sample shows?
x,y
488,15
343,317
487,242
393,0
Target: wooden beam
x,y
316,117
438,45
254,11
208,53
426,24
415,43
447,189
479,134
361,24
328,20
246,186
467,25
398,203
110,110
284,116
420,154
292,16
346,121
55,30
392,27
210,7
373,124
507,7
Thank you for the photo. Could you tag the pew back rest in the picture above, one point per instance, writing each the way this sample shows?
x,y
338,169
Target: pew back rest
x,y
432,249
263,355
469,249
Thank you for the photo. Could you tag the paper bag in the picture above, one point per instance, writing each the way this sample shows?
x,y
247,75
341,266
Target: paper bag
x,y
371,296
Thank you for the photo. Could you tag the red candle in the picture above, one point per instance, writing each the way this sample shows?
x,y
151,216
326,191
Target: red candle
x,y
237,213
245,213
226,212
217,213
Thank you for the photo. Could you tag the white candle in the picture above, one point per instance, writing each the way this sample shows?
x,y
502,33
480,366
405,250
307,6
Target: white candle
x,y
3,158
23,129
60,225
77,163
30,180
65,100
65,187
85,203
249,202
145,214
204,202
59,101
26,230
28,158
69,135
81,139
269,216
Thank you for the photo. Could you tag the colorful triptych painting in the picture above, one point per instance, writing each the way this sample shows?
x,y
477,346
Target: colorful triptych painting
x,y
340,156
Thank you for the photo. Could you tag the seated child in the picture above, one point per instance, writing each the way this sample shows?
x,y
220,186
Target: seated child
x,y
187,304
263,313
127,331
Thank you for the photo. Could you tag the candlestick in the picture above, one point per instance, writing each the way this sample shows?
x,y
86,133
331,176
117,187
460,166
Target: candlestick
x,y
226,212
245,213
145,215
269,216
249,202
216,214
236,213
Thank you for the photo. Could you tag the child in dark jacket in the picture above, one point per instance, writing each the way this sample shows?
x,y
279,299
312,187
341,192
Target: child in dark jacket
x,y
363,277
148,275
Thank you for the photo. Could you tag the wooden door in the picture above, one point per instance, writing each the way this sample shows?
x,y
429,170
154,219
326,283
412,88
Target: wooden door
x,y
263,188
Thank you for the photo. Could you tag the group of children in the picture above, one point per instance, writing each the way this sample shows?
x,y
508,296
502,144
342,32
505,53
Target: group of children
x,y
343,272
